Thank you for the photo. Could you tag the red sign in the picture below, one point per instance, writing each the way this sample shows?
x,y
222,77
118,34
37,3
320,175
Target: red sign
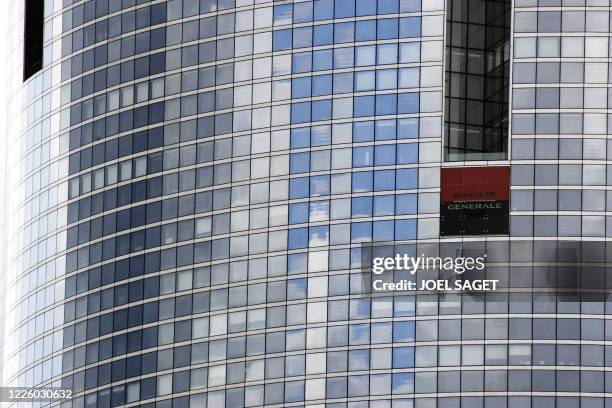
x,y
475,184
475,201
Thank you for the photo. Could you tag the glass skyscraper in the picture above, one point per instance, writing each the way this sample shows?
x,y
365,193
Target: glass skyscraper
x,y
192,184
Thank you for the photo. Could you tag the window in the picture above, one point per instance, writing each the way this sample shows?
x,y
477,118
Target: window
x,y
33,38
476,124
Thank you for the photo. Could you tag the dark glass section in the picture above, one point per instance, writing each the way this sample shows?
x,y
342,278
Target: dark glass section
x,y
477,80
33,38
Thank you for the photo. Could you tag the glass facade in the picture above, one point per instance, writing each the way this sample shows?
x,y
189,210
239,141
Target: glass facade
x,y
559,187
194,180
477,78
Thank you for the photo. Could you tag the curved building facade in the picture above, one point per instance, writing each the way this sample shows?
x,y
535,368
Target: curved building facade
x,y
192,183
